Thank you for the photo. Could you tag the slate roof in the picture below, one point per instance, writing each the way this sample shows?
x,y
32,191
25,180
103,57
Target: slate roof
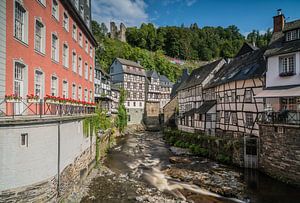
x,y
140,72
205,107
115,87
278,45
199,75
247,66
164,81
247,47
179,82
152,73
129,63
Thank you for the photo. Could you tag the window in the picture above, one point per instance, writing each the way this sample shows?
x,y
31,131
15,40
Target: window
x,y
86,74
233,96
24,139
21,23
85,95
80,66
91,96
55,48
226,117
218,116
65,89
226,97
234,118
73,91
66,22
287,65
91,51
19,79
54,86
86,46
43,2
91,74
88,21
74,62
65,55
249,120
248,96
208,117
55,9
38,83
39,40
80,39
81,10
74,32
292,35
80,93
128,104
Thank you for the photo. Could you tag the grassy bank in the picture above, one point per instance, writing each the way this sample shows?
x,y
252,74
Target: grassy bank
x,y
222,149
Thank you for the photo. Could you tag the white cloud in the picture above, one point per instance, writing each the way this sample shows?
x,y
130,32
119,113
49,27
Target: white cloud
x,y
186,2
190,2
130,12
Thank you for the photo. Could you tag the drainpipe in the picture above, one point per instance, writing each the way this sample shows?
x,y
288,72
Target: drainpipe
x,y
58,158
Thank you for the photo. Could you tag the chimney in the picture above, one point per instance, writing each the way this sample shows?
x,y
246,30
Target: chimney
x,y
278,21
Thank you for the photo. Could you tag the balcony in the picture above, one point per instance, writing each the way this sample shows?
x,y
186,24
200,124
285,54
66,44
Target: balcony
x,y
285,117
22,109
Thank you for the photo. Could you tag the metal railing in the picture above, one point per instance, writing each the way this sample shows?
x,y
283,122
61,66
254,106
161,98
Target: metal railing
x,y
284,117
41,108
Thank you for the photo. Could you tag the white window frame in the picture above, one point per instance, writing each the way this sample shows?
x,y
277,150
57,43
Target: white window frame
x,y
91,96
55,15
285,64
43,36
91,51
91,73
65,56
74,91
86,95
74,61
42,83
55,57
24,37
80,39
80,64
79,93
86,46
65,89
55,92
74,31
86,69
66,21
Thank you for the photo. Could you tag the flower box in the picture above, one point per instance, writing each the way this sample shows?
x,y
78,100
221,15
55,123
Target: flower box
x,y
33,100
12,100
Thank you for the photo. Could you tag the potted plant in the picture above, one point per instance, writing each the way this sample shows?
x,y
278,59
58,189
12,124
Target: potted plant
x,y
31,98
12,98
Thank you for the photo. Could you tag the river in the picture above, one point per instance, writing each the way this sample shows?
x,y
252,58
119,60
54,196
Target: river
x,y
141,168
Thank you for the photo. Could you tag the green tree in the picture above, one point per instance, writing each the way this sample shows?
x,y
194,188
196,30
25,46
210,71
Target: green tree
x,y
122,114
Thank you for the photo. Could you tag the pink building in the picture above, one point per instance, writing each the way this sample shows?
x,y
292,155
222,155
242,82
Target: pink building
x,y
49,50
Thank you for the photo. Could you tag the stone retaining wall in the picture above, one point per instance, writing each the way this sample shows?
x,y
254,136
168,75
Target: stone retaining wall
x,y
280,152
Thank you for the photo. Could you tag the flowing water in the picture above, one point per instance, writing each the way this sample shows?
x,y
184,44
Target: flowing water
x,y
138,169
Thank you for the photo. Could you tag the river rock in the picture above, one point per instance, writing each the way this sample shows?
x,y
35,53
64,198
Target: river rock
x,y
178,159
214,181
180,151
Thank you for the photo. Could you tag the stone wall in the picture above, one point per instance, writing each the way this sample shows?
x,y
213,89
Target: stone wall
x,y
151,118
280,152
170,112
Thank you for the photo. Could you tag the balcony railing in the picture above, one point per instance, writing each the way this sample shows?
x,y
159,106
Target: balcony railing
x,y
11,109
284,117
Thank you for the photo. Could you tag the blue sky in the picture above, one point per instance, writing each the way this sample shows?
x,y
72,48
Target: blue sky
x,y
246,14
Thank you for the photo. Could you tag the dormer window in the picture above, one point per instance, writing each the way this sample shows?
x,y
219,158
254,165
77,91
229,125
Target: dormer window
x,y
292,35
287,65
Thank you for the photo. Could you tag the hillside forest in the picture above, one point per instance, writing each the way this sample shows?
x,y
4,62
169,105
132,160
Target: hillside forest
x,y
151,45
